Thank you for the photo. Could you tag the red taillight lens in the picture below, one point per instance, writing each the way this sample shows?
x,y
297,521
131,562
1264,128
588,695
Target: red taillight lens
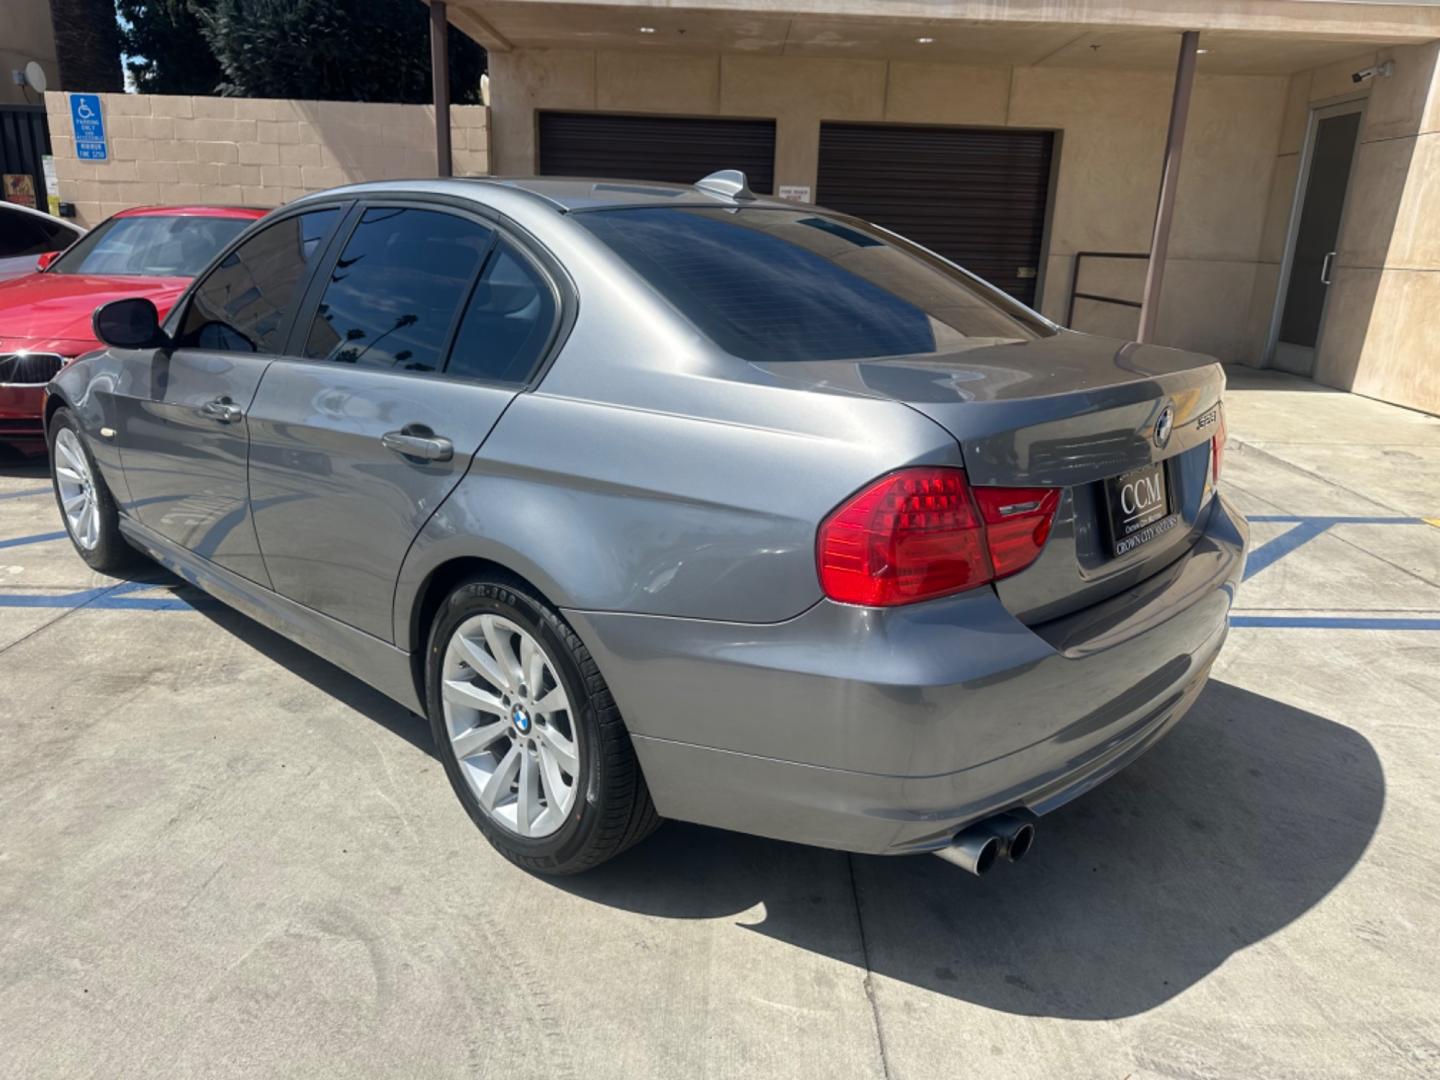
x,y
925,532
1217,451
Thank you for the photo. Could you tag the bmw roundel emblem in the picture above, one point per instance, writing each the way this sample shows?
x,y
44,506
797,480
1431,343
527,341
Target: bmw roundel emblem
x,y
1164,425
520,718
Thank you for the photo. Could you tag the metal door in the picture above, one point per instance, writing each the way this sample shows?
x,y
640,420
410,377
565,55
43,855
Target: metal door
x,y
674,149
977,196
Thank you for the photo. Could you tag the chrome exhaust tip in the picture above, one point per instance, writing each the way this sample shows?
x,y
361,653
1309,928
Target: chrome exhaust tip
x,y
1003,836
974,850
1016,835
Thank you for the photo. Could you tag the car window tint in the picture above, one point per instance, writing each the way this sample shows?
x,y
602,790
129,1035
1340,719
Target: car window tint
x,y
150,245
775,285
22,234
396,288
57,236
242,304
507,322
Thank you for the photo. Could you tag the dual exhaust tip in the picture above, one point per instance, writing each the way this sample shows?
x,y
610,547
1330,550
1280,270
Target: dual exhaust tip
x,y
976,849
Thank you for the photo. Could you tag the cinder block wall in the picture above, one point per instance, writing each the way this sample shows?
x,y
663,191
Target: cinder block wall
x,y
251,151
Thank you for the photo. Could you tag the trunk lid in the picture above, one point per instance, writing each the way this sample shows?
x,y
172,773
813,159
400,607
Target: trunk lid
x,y
1069,411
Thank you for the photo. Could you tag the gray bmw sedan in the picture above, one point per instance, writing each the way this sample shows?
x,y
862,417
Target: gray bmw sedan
x,y
666,501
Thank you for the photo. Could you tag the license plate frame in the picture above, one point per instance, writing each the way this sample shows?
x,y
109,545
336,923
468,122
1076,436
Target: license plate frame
x,y
1138,507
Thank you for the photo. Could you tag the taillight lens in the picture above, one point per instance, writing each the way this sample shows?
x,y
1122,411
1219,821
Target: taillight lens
x,y
921,533
1217,451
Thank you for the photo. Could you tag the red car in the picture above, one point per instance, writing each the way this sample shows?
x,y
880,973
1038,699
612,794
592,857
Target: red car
x,y
150,251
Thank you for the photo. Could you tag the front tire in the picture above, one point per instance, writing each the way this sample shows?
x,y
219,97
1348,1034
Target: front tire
x,y
530,737
92,520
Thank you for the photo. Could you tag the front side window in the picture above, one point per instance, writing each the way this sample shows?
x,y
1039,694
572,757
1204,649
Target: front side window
x,y
243,303
396,289
507,323
150,245
779,285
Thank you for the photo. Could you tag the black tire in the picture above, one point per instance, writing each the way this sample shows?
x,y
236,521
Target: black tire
x,y
111,552
612,808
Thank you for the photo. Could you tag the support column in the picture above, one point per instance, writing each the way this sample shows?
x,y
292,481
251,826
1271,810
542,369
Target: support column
x,y
1169,181
440,80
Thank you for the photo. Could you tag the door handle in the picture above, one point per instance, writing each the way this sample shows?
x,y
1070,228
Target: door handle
x,y
1325,268
223,410
418,441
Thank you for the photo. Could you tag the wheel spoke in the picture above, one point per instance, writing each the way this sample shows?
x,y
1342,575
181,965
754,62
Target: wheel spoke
x,y
74,504
68,474
476,739
527,800
498,782
532,664
550,778
499,641
553,702
561,747
469,696
483,662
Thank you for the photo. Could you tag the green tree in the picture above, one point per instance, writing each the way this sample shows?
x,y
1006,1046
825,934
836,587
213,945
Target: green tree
x,y
166,52
332,50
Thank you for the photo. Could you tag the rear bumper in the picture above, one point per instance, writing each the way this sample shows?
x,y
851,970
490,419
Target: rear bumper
x,y
887,731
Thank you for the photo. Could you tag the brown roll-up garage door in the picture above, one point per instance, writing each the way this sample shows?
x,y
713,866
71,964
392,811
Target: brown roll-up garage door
x,y
677,149
975,196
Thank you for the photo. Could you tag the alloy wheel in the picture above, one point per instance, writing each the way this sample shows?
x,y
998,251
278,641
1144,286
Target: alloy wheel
x,y
77,490
510,725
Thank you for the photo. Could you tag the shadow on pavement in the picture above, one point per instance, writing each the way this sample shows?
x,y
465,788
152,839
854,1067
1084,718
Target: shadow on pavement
x,y
1241,821
33,465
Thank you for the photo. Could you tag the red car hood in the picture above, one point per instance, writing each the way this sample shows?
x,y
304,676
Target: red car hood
x,y
57,307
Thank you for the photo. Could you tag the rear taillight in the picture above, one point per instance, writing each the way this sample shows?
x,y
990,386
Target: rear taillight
x,y
1217,451
921,533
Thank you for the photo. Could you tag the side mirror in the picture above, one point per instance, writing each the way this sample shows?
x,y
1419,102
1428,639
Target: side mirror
x,y
44,261
132,323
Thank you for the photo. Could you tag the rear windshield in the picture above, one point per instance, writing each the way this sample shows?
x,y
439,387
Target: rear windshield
x,y
772,285
150,245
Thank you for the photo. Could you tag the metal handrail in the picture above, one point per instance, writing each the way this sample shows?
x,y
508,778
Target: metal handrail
x,y
1075,280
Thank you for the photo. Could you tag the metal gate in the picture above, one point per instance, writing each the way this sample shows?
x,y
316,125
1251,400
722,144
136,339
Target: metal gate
x,y
976,196
676,149
24,140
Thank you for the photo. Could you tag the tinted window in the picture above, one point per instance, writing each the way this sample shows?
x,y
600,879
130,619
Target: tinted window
x,y
151,245
507,322
30,234
242,304
787,285
396,289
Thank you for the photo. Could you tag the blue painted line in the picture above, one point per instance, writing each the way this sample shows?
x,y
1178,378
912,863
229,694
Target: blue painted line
x,y
1333,622
1276,549
38,538
24,494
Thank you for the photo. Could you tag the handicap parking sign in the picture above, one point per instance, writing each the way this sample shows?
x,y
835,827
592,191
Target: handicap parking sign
x,y
89,127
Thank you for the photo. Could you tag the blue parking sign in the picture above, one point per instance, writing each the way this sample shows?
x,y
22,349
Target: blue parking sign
x,y
89,127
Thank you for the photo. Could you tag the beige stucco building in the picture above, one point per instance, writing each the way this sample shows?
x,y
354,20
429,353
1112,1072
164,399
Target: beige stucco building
x,y
867,103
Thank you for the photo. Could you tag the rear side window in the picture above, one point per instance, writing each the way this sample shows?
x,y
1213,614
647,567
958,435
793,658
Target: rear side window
x,y
242,305
507,323
778,285
397,288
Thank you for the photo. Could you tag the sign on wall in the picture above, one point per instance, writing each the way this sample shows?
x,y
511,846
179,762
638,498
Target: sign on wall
x,y
89,127
795,192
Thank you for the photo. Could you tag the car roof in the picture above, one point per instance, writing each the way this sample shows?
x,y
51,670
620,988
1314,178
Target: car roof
x,y
251,212
565,194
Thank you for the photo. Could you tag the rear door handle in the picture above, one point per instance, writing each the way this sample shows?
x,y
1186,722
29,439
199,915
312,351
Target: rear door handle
x,y
1325,268
223,410
418,441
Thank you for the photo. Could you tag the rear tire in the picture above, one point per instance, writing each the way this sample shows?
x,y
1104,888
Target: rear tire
x,y
512,691
91,518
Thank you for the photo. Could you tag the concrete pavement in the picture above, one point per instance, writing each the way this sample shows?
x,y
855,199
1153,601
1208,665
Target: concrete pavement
x,y
220,856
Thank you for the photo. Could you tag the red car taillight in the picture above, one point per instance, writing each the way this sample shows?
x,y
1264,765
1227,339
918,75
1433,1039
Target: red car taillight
x,y
925,532
1217,451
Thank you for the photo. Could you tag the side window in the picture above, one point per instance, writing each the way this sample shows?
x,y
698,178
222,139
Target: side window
x,y
508,322
20,235
241,306
57,236
396,288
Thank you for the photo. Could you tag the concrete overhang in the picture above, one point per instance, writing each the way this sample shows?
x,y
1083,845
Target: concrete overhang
x,y
1265,37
